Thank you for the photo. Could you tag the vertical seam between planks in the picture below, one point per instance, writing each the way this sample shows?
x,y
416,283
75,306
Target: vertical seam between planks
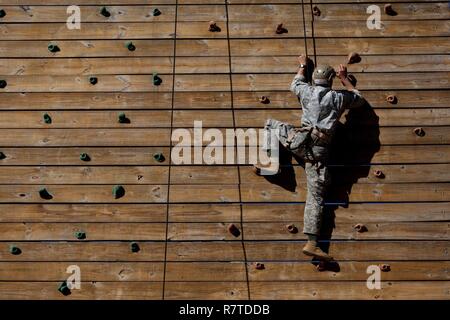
x,y
169,156
235,140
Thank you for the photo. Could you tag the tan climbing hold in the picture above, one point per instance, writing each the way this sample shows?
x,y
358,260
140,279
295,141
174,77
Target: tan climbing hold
x,y
213,27
391,99
378,174
385,267
292,228
389,10
234,230
353,57
280,29
359,227
419,132
264,100
316,11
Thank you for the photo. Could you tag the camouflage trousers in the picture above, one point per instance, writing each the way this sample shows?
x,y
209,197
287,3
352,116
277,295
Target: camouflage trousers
x,y
317,173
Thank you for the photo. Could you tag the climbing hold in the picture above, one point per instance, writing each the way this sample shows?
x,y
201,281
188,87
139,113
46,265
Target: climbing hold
x,y
378,174
2,13
156,12
80,235
389,10
213,27
134,246
130,46
234,230
264,100
419,131
159,157
316,11
385,267
353,57
2,156
53,48
93,80
118,192
3,84
352,79
280,29
259,266
64,289
104,12
47,118
84,157
156,79
45,194
122,118
292,228
391,99
14,250
360,228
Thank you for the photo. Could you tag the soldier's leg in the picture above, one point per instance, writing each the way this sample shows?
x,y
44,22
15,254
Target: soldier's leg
x,y
317,180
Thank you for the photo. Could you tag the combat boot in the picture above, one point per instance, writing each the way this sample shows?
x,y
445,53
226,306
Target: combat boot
x,y
311,249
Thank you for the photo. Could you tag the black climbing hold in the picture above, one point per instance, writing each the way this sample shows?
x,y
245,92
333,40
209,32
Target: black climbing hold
x,y
14,250
159,157
118,192
2,156
53,48
134,246
156,12
3,84
104,12
234,230
64,289
80,235
122,118
93,80
47,118
45,194
130,46
156,79
84,157
2,13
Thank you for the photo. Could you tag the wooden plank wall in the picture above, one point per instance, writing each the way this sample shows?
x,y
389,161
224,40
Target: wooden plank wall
x,y
179,214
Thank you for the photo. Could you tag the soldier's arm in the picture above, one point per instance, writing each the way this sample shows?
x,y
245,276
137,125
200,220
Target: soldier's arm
x,y
352,98
299,83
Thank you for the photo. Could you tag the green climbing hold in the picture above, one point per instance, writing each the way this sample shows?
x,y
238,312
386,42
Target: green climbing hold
x,y
122,118
134,246
47,118
14,250
45,194
2,156
63,288
2,13
130,46
156,12
93,80
156,79
84,157
159,157
53,48
3,84
104,12
80,235
118,192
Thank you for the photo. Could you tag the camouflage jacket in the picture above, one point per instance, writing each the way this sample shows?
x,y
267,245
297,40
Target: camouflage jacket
x,y
322,106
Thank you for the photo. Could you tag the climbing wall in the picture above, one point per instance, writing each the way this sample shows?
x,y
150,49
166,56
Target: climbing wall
x,y
89,112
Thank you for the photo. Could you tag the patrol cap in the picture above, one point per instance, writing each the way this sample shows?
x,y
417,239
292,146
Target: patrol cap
x,y
323,74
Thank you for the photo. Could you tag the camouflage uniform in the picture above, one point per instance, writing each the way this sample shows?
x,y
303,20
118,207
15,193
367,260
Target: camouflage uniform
x,y
322,108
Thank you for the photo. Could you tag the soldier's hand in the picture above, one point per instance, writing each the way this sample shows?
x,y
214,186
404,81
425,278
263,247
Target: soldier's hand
x,y
303,59
342,72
